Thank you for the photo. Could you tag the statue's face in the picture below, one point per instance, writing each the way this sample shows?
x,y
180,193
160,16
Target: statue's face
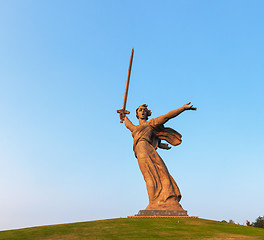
x,y
142,113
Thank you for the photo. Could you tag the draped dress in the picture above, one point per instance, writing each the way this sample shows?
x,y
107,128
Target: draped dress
x,y
163,191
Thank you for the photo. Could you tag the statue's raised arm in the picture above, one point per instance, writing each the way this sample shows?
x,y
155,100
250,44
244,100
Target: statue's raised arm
x,y
129,124
174,113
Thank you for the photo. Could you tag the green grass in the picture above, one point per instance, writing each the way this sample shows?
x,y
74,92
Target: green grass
x,y
137,228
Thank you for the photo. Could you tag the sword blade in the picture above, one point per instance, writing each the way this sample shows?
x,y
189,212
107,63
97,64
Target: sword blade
x,y
122,112
128,79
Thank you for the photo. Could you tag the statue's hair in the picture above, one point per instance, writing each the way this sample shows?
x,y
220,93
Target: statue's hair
x,y
148,111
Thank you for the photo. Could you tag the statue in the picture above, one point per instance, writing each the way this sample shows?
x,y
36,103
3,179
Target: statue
x,y
163,191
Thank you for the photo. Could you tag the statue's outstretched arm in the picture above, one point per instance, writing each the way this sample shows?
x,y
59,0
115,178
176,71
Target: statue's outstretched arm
x,y
129,124
172,114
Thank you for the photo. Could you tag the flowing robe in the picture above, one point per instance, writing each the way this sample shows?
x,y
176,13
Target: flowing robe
x,y
163,191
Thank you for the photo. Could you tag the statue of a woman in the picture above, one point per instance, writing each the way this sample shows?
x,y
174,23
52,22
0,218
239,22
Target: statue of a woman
x,y
163,191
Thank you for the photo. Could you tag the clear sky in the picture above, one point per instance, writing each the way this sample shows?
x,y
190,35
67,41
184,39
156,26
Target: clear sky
x,y
64,155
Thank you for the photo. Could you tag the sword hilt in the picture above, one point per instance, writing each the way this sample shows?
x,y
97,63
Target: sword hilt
x,y
122,114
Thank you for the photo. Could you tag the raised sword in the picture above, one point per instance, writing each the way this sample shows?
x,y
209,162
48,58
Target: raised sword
x,y
122,112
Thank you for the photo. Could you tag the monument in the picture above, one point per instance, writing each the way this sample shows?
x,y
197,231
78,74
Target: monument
x,y
163,192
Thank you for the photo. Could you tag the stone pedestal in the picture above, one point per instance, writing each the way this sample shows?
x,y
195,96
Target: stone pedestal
x,y
149,213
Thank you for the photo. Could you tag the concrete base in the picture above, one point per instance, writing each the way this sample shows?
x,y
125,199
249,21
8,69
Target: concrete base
x,y
154,213
162,217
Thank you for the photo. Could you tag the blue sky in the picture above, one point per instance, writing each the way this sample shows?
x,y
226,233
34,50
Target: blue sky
x,y
64,156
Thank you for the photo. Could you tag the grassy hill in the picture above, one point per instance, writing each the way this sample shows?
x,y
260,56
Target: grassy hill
x,y
137,228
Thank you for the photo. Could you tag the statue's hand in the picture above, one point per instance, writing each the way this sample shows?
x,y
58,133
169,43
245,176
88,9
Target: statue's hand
x,y
164,146
189,107
122,114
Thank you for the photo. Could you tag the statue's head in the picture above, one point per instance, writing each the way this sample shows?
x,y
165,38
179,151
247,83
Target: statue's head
x,y
142,112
